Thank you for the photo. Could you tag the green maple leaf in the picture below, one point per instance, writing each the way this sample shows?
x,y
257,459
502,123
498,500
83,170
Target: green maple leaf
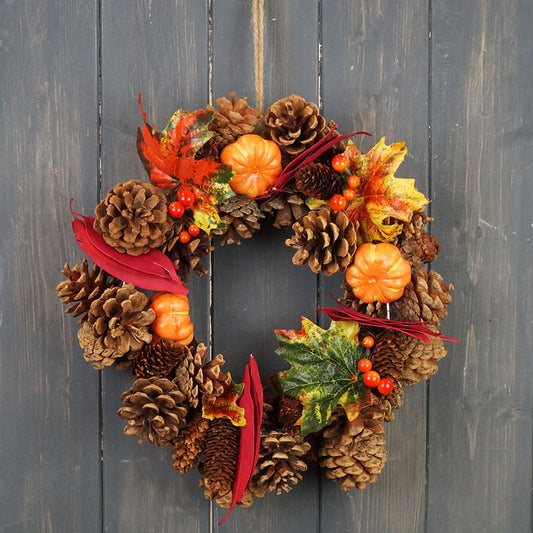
x,y
324,370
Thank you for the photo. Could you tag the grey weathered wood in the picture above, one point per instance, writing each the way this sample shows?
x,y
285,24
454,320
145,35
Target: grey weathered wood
x,y
375,79
377,61
480,410
159,49
256,289
49,444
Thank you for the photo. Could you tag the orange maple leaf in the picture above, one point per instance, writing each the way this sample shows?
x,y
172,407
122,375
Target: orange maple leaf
x,y
225,406
381,195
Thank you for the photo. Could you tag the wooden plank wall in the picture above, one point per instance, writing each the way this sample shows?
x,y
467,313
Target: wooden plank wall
x,y
451,78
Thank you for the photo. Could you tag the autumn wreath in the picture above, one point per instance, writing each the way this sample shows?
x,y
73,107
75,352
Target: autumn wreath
x,y
220,172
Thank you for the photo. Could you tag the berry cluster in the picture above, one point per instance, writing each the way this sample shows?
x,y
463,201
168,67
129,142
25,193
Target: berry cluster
x,y
370,377
338,201
185,199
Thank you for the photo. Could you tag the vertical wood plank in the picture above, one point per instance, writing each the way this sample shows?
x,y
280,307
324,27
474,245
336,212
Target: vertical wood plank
x,y
256,287
48,401
375,79
480,415
158,48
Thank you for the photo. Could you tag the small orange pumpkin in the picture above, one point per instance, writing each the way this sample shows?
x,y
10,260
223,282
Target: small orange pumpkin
x,y
256,163
378,272
172,319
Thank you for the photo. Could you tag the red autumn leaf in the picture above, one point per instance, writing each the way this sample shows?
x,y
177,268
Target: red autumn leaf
x,y
169,159
250,437
227,405
381,195
152,271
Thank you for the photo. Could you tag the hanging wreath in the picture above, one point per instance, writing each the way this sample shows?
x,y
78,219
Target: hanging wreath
x,y
221,172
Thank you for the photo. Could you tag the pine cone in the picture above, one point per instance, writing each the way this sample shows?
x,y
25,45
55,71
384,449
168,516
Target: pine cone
x,y
290,412
388,357
387,403
188,373
187,255
318,181
234,119
212,380
158,359
349,299
219,461
82,287
133,217
119,326
224,500
154,409
422,357
325,240
422,249
287,207
425,298
294,125
280,463
241,216
189,444
353,452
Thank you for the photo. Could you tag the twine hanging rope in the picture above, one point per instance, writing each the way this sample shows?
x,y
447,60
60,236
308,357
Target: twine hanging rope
x,y
258,22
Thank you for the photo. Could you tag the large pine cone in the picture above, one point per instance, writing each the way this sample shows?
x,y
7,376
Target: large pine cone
x,y
280,463
133,217
325,240
119,324
287,207
219,461
189,444
82,287
188,373
318,181
241,216
158,358
294,125
154,409
186,256
232,120
353,452
425,298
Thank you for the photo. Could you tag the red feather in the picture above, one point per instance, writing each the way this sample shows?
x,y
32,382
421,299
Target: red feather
x,y
151,271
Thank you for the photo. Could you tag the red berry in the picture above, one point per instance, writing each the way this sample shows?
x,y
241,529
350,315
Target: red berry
x,y
385,386
364,365
186,197
349,194
368,341
184,236
176,209
354,181
339,163
371,379
337,202
194,230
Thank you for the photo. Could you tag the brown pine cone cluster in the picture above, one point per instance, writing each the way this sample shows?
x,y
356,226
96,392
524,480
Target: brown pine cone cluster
x,y
287,207
295,125
280,464
82,287
241,216
232,119
317,180
189,444
155,410
133,217
325,240
116,326
186,255
353,452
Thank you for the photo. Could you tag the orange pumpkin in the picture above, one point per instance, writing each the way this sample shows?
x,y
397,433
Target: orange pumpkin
x,y
256,163
172,319
378,272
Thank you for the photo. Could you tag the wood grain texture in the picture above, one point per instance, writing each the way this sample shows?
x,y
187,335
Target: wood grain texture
x,y
49,473
480,416
375,79
158,48
256,289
